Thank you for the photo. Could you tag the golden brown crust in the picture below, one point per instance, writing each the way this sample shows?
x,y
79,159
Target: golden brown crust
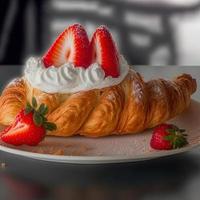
x,y
12,100
105,116
158,103
51,100
130,107
71,114
133,115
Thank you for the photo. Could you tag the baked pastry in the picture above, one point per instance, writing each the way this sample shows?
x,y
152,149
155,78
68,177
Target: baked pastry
x,y
129,105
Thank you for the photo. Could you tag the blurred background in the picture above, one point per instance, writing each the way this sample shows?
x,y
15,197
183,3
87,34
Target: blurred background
x,y
155,32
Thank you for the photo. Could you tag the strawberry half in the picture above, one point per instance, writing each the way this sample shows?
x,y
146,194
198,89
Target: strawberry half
x,y
168,136
72,45
29,127
104,51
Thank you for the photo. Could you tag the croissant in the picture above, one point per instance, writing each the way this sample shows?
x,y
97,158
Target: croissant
x,y
129,107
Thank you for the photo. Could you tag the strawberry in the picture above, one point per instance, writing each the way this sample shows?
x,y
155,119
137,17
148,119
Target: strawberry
x,y
104,51
72,45
29,127
168,136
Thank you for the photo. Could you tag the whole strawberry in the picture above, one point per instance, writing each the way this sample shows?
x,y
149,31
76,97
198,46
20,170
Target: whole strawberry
x,y
168,136
29,127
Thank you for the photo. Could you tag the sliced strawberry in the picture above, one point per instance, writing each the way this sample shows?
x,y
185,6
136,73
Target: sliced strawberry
x,y
5,130
17,119
23,133
29,127
72,46
104,51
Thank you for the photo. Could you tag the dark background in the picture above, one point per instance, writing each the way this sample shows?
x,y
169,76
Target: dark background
x,y
155,32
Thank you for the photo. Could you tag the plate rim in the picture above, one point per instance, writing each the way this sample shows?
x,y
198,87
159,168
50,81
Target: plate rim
x,y
97,159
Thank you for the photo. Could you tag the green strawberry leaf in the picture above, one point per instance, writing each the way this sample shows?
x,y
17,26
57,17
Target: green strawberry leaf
x,y
34,102
39,115
171,131
41,108
38,119
28,108
44,119
177,137
45,111
169,137
50,126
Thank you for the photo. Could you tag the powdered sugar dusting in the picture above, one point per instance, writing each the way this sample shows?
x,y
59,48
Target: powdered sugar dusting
x,y
13,82
110,97
138,88
156,87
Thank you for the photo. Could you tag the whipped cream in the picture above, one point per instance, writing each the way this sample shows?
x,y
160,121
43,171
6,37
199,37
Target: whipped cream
x,y
70,79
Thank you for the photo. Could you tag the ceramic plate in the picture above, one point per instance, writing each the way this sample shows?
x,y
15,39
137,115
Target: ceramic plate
x,y
113,149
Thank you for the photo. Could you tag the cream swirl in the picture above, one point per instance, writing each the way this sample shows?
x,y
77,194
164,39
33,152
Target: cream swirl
x,y
70,79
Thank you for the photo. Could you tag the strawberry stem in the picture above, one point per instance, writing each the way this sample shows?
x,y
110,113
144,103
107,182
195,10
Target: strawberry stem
x,y
39,114
176,137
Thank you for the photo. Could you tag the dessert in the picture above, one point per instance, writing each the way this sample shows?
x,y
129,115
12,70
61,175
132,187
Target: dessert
x,y
90,89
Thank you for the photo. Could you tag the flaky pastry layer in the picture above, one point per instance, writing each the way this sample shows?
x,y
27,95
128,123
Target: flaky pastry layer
x,y
127,108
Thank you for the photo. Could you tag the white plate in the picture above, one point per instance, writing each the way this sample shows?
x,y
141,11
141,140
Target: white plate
x,y
113,149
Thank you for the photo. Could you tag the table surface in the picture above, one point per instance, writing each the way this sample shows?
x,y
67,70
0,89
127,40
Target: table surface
x,y
175,177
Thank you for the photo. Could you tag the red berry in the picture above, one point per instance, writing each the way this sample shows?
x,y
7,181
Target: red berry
x,y
24,131
104,51
29,126
72,45
168,136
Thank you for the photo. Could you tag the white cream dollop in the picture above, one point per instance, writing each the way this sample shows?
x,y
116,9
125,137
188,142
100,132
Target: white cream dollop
x,y
68,78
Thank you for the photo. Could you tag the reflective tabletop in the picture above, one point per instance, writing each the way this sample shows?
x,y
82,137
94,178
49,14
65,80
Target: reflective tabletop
x,y
174,177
